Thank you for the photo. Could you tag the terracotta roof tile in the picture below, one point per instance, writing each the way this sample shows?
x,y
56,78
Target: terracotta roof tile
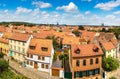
x,y
86,50
39,43
108,45
20,36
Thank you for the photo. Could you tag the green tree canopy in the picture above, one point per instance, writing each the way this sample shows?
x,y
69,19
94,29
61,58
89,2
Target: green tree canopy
x,y
1,55
3,65
110,64
81,28
76,32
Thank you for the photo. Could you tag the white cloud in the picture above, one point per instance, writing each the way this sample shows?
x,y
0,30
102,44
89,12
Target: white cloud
x,y
41,4
22,10
87,0
6,11
71,7
40,16
87,12
117,12
108,5
110,17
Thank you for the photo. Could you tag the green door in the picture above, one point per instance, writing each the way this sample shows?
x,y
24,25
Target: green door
x,y
11,53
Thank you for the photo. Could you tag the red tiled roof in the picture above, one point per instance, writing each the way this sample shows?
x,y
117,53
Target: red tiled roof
x,y
3,40
20,36
38,43
108,46
86,50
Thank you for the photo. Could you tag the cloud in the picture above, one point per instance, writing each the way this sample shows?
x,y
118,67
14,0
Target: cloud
x,y
22,10
87,0
71,7
87,12
41,4
110,17
108,5
117,12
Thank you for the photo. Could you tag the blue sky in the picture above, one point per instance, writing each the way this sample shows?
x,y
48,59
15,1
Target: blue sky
x,y
75,12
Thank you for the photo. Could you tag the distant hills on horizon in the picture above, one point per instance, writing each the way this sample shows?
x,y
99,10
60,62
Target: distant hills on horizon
x,y
33,24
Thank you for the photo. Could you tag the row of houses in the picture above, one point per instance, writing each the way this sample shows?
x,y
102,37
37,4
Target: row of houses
x,y
85,52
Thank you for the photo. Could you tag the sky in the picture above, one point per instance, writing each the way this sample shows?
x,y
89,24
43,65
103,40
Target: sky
x,y
70,12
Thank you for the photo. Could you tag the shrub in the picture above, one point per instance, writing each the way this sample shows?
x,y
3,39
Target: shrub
x,y
110,64
1,55
112,78
3,65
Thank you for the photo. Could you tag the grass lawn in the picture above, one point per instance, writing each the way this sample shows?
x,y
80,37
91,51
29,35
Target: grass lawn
x,y
8,74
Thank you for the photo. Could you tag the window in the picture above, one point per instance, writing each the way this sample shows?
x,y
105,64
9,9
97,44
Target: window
x,y
43,58
46,66
11,46
23,44
44,49
91,61
77,51
97,61
39,57
32,47
19,43
23,50
97,71
31,56
27,55
84,62
31,63
14,47
77,74
19,49
77,62
42,65
11,41
84,73
14,42
28,62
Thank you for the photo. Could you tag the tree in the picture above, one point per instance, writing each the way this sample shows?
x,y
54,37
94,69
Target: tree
x,y
103,30
54,57
54,40
3,65
81,28
76,32
1,55
110,64
112,78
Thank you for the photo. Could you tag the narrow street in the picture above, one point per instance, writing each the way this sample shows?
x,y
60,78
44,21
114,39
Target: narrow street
x,y
28,72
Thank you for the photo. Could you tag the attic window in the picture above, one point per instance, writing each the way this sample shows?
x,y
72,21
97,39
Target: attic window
x,y
32,47
77,51
95,49
44,48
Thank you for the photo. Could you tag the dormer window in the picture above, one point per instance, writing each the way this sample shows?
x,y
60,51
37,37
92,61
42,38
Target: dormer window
x,y
95,49
32,47
77,51
44,49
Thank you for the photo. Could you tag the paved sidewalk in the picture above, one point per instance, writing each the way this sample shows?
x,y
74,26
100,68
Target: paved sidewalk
x,y
28,72
115,74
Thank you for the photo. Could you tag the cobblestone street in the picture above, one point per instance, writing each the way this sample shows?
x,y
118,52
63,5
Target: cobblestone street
x,y
28,72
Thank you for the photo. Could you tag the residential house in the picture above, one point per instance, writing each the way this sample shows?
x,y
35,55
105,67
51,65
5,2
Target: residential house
x,y
18,44
4,46
40,54
86,61
109,49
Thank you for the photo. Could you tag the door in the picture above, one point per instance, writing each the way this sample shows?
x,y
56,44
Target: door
x,y
35,65
11,54
55,72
